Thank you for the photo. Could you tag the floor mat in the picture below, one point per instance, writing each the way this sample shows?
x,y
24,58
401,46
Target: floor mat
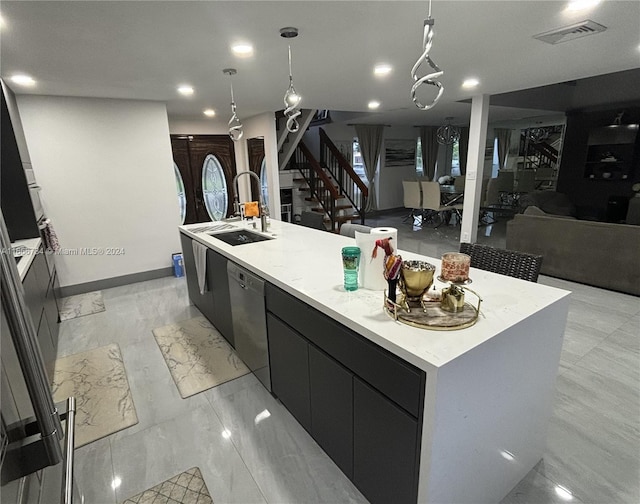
x,y
198,357
83,304
185,488
98,380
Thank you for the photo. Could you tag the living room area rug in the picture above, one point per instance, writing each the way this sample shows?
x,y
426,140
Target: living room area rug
x,y
98,380
80,305
198,356
185,488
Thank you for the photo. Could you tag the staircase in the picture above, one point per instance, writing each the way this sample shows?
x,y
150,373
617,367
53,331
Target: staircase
x,y
330,186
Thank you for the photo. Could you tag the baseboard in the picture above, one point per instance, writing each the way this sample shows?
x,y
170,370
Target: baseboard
x,y
107,283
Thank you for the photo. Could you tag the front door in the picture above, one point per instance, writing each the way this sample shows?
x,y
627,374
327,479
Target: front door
x,y
207,165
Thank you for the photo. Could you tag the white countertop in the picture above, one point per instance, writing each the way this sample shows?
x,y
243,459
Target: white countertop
x,y
307,264
26,250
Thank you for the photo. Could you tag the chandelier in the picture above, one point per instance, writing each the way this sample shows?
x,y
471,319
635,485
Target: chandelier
x,y
448,134
235,126
291,98
538,134
430,78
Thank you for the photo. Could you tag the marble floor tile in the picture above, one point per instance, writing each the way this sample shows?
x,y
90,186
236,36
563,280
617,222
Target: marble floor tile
x,y
286,463
618,357
594,440
601,318
80,305
93,472
195,439
153,390
578,341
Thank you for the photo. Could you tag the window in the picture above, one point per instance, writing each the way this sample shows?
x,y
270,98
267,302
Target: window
x,y
214,188
419,165
357,162
264,184
495,163
182,200
455,160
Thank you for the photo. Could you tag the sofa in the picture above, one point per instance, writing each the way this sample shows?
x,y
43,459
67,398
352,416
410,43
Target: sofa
x,y
595,253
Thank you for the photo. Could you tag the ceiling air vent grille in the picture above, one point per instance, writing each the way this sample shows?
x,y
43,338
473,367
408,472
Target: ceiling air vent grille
x,y
571,32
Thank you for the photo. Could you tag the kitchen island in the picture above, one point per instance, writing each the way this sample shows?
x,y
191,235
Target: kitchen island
x,y
436,416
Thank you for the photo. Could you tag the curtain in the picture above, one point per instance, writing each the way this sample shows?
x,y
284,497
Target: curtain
x,y
463,149
429,141
370,141
504,139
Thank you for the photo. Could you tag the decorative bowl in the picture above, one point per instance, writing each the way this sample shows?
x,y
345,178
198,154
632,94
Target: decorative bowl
x,y
416,278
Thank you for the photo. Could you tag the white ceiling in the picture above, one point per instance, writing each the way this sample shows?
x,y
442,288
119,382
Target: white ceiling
x,y
145,49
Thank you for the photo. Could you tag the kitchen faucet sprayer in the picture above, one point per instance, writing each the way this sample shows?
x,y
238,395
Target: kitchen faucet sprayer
x,y
236,201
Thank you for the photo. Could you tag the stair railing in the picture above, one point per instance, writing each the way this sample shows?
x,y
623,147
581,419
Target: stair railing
x,y
321,187
349,182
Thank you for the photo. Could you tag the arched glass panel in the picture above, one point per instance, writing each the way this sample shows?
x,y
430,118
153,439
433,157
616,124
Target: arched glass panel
x,y
214,188
264,185
182,199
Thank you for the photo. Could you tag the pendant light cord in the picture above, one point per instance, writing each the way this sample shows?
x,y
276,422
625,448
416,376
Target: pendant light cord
x,y
292,103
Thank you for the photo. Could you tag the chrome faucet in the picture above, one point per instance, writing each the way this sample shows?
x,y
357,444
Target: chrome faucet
x,y
236,203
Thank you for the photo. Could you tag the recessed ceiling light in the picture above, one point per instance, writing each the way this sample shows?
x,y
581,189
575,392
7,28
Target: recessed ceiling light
x,y
23,80
382,69
470,83
209,112
242,50
185,90
576,5
373,104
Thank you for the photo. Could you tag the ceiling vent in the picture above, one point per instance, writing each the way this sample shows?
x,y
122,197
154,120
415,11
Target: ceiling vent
x,y
571,32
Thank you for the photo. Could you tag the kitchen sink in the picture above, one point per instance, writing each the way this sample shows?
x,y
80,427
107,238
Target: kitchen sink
x,y
239,237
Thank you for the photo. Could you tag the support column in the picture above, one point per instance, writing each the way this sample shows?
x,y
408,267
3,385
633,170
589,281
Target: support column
x,y
475,166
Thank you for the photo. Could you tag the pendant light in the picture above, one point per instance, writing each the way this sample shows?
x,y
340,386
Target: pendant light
x,y
448,134
291,98
430,78
537,135
235,126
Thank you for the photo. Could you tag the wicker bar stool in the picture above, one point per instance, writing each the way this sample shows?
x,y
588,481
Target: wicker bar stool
x,y
506,262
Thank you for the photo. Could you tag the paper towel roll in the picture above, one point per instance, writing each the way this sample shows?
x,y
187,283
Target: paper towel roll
x,y
372,270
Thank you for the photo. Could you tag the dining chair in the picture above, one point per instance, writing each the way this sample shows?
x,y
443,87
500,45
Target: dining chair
x,y
313,220
432,202
412,199
505,181
459,182
506,262
526,181
350,229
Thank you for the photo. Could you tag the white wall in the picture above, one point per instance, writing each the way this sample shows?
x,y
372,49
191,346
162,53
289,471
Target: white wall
x,y
106,172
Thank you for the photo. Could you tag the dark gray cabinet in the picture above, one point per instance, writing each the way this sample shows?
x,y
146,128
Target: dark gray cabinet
x,y
385,448
204,302
289,362
41,303
219,285
362,404
215,303
331,395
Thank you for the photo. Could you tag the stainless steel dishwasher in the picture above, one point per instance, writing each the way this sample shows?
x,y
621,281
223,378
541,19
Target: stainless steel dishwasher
x,y
246,293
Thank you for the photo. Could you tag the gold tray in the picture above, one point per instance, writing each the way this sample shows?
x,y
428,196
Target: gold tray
x,y
429,314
